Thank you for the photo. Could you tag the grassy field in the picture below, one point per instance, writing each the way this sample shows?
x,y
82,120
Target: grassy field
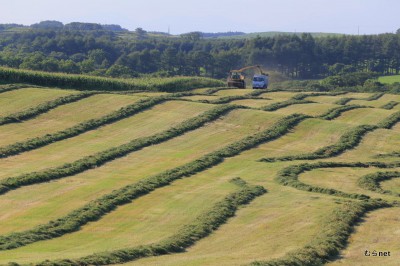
x,y
389,79
280,222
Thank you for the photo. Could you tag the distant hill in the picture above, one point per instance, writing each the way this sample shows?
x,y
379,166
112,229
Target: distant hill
x,y
57,25
275,33
243,35
222,34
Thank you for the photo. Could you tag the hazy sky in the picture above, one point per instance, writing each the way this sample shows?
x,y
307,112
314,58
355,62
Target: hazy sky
x,y
341,16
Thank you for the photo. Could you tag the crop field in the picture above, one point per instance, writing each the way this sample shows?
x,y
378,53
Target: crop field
x,y
212,176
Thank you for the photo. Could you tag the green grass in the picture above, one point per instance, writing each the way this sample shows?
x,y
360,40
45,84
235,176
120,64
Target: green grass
x,y
283,220
389,79
22,99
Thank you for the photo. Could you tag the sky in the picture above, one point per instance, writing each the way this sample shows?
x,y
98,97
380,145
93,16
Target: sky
x,y
334,16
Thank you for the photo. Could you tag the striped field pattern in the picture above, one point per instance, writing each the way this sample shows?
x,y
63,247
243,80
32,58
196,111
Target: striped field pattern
x,y
211,176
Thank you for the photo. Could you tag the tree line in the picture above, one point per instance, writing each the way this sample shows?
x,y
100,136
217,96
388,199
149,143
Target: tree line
x,y
107,51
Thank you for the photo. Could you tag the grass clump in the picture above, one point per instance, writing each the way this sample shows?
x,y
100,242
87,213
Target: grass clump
x,y
389,105
372,182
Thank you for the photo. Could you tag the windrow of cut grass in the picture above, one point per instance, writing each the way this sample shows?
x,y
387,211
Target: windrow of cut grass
x,y
344,179
18,100
255,95
389,105
256,101
373,97
279,105
336,112
228,99
391,154
299,98
372,182
103,157
347,141
311,109
78,129
344,101
10,87
42,108
95,209
364,116
385,99
390,121
379,231
214,99
279,100
288,176
188,235
327,244
303,96
82,82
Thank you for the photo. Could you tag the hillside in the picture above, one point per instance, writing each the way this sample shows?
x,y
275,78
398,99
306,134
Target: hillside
x,y
270,34
111,51
212,176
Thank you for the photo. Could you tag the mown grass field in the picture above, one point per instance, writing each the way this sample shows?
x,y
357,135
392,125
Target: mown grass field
x,y
276,225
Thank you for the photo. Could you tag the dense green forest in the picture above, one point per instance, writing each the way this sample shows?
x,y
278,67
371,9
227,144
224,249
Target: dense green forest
x,y
110,50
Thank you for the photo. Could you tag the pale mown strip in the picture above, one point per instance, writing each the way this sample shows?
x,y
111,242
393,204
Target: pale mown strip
x,y
18,100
